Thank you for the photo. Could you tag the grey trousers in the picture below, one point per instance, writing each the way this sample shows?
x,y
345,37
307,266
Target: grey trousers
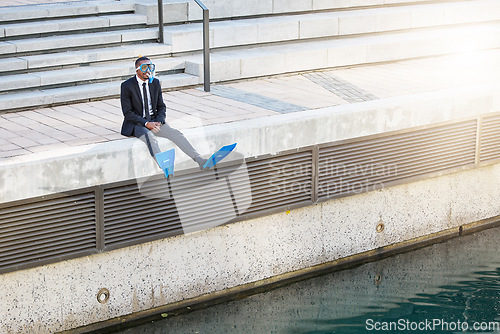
x,y
149,138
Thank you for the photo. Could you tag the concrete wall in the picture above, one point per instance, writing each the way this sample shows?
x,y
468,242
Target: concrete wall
x,y
61,296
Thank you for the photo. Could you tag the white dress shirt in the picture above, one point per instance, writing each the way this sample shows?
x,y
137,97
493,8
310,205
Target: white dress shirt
x,y
150,106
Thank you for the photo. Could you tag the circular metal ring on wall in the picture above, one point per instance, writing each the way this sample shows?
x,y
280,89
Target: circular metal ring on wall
x,y
380,227
378,279
103,295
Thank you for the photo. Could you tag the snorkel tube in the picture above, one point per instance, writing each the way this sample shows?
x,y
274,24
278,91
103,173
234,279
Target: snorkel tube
x,y
152,76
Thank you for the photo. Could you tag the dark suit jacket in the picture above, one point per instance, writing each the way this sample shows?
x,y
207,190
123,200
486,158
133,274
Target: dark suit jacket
x,y
131,100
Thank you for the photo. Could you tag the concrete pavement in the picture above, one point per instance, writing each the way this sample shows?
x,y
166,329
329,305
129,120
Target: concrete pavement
x,y
60,127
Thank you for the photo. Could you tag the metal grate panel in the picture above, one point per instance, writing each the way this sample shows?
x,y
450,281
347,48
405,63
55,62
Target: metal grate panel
x,y
160,208
370,164
281,181
490,138
133,213
47,229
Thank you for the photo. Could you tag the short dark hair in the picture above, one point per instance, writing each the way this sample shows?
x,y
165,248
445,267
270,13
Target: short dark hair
x,y
140,59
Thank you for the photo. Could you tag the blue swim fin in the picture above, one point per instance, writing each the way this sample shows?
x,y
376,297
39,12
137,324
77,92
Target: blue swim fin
x,y
219,155
166,161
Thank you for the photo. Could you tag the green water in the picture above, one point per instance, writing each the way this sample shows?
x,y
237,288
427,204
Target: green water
x,y
452,287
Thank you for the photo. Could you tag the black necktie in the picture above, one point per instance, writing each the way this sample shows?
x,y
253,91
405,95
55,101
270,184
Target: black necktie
x,y
146,104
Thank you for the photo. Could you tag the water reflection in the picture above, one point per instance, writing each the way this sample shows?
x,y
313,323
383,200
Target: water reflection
x,y
452,286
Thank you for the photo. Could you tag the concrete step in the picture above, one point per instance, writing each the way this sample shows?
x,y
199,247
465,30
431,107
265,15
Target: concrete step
x,y
80,57
82,24
61,10
55,96
188,37
28,46
178,11
300,56
267,60
117,70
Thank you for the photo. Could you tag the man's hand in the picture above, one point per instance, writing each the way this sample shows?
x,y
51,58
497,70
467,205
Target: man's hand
x,y
153,126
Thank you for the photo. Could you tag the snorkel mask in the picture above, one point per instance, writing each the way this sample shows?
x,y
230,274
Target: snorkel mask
x,y
148,68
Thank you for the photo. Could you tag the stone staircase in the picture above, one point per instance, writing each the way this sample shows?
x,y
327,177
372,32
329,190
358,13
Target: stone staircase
x,y
83,51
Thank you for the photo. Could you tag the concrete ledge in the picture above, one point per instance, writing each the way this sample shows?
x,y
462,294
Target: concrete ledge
x,y
59,171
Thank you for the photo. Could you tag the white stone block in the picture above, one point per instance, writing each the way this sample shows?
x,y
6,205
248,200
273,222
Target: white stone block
x,y
23,100
252,7
7,47
472,12
234,33
175,12
13,64
123,20
393,20
261,62
305,58
223,68
179,80
277,29
334,4
2,32
71,10
84,92
20,29
194,66
82,23
79,74
115,6
409,47
289,6
150,10
319,25
19,81
22,13
357,23
57,59
347,55
427,17
66,41
168,64
217,9
139,35
185,37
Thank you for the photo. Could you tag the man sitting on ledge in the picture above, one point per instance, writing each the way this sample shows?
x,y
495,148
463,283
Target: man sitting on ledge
x,y
144,112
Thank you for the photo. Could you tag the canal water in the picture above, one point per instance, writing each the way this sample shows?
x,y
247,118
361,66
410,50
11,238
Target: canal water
x,y
451,287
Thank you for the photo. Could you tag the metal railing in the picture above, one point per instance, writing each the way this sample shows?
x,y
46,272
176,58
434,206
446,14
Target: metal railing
x,y
161,38
206,46
206,39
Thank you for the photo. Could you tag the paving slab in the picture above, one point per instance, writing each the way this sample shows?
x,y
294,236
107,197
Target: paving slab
x,y
46,129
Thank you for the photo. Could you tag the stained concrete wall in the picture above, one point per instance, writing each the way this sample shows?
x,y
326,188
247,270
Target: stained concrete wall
x,y
62,296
